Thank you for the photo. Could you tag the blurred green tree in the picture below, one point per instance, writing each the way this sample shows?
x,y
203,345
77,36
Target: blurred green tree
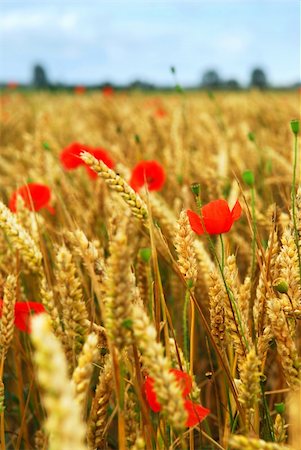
x,y
258,78
211,79
40,79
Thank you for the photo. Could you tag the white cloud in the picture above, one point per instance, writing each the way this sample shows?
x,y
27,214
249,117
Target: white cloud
x,y
21,20
68,21
234,45
18,21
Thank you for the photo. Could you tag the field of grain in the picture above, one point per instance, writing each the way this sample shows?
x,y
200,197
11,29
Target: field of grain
x,y
122,327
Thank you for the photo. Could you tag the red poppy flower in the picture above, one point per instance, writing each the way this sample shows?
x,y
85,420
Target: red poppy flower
x,y
23,311
101,155
36,196
108,91
150,172
217,217
12,85
183,380
196,412
150,394
160,112
70,155
79,90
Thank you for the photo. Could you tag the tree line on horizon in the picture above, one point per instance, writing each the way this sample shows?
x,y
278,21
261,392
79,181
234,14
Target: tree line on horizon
x,y
211,80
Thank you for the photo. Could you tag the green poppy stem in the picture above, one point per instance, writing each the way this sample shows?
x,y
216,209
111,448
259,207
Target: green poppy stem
x,y
254,227
293,194
222,252
185,325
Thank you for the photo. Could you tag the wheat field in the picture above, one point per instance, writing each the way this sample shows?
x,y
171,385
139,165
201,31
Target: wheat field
x,y
126,322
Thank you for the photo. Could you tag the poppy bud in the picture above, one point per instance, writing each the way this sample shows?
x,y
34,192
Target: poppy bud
x,y
145,254
248,177
295,126
196,189
281,287
180,179
251,136
280,408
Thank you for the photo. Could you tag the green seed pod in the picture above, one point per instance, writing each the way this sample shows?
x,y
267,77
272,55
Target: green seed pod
x,y
281,287
196,189
145,254
248,177
251,136
280,408
295,126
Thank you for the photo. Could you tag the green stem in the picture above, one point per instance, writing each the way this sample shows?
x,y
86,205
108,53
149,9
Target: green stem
x,y
294,201
222,251
185,325
230,294
254,230
266,416
199,205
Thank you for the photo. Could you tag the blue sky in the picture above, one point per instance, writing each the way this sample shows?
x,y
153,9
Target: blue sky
x,y
91,41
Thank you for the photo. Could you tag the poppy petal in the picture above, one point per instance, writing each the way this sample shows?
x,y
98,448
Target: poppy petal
x,y
217,217
36,307
101,155
35,196
50,209
13,202
38,194
108,91
70,156
184,380
92,174
196,413
79,89
150,172
150,394
195,222
160,112
23,312
236,211
21,322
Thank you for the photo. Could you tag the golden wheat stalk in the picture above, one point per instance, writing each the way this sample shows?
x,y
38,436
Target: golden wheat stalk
x,y
98,417
64,424
249,389
158,367
239,442
8,315
119,290
81,376
20,238
74,312
118,184
185,249
286,346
